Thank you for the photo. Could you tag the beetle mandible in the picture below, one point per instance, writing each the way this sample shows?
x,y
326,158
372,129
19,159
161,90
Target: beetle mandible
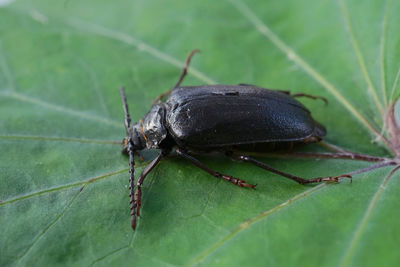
x,y
225,118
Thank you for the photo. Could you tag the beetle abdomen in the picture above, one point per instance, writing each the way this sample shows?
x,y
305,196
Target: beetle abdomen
x,y
223,115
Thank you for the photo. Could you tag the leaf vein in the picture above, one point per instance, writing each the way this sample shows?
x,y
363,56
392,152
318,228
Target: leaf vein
x,y
47,228
138,253
359,55
266,31
350,250
62,109
140,45
108,254
96,87
6,69
382,51
396,81
62,187
248,223
57,139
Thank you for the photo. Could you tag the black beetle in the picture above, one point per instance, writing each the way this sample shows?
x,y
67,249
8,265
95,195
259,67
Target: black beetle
x,y
224,118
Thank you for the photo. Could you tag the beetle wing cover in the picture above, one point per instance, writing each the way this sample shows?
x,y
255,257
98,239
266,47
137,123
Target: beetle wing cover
x,y
223,115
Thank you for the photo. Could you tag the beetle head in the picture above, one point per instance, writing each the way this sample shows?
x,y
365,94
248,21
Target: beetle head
x,y
133,140
135,135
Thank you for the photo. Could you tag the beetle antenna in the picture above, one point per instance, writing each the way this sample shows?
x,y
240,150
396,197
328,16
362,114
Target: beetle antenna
x,y
130,149
126,111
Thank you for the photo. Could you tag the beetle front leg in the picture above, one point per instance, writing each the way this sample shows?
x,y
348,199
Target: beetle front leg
x,y
314,97
137,196
228,178
300,180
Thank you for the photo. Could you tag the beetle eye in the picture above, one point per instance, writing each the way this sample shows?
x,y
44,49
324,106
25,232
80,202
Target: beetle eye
x,y
125,146
124,142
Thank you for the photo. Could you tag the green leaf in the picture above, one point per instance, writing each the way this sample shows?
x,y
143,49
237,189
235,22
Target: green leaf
x,y
63,181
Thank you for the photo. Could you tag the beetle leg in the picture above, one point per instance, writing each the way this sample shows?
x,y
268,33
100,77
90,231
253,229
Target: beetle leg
x,y
247,84
341,155
124,151
137,196
137,153
181,77
184,70
216,174
300,180
304,95
286,92
312,97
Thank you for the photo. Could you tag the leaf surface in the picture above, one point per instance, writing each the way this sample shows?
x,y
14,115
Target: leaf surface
x,y
63,181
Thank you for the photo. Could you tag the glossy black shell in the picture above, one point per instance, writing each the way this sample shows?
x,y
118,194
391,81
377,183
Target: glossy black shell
x,y
213,116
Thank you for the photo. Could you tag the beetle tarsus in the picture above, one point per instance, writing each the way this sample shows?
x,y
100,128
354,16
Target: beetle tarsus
x,y
133,222
335,179
235,181
138,199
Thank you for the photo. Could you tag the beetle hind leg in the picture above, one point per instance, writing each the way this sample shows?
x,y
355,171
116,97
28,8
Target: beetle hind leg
x,y
228,178
300,180
314,97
